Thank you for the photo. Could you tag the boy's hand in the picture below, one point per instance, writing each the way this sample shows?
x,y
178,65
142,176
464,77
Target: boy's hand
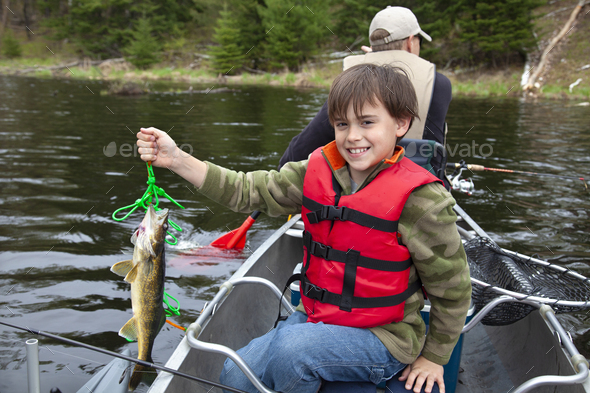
x,y
420,371
156,146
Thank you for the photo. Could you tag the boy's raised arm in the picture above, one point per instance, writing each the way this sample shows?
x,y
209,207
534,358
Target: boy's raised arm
x,y
156,146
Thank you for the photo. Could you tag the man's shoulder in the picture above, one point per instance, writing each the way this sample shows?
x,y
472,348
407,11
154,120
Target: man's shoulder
x,y
443,85
400,58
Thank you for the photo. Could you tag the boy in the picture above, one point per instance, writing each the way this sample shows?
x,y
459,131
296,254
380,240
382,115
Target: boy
x,y
376,224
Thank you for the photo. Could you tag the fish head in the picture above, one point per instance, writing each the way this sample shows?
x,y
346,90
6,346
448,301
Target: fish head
x,y
151,234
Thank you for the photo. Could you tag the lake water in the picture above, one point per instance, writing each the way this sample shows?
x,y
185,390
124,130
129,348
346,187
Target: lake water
x,y
67,159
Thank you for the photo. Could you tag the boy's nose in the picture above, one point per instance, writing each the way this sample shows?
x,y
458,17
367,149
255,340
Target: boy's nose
x,y
355,133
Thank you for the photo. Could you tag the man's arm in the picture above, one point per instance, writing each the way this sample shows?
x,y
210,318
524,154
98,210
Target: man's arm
x,y
434,127
317,133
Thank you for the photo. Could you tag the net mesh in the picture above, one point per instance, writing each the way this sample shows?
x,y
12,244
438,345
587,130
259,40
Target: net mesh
x,y
490,264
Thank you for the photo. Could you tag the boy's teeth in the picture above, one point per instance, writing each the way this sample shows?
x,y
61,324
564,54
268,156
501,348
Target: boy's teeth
x,y
356,151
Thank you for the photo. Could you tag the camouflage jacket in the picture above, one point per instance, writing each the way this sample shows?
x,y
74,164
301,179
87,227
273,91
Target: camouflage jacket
x,y
427,227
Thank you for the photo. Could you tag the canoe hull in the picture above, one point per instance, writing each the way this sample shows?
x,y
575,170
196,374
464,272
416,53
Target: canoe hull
x,y
495,359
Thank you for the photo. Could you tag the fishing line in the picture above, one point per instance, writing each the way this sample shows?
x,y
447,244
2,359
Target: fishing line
x,y
124,357
54,351
473,167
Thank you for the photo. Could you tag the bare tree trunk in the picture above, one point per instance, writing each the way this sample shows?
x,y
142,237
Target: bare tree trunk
x,y
5,5
26,17
544,58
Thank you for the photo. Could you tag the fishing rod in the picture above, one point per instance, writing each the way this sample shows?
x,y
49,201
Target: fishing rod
x,y
124,357
474,167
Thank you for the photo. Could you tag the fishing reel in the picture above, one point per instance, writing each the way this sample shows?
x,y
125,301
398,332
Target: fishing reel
x,y
466,185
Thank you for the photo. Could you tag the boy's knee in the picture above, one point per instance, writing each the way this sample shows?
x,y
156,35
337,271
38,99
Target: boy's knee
x,y
229,373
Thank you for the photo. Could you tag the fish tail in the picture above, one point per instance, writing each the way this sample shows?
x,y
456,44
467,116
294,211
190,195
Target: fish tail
x,y
141,373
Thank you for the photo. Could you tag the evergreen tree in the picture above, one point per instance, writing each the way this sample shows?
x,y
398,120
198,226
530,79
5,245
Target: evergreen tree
x,y
352,20
496,29
249,23
143,49
102,27
10,45
229,56
437,18
294,31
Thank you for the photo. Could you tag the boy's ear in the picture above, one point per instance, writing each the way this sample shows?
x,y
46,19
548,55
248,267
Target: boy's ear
x,y
403,124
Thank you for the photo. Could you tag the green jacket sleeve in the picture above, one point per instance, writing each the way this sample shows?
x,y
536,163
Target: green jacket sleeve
x,y
272,192
428,229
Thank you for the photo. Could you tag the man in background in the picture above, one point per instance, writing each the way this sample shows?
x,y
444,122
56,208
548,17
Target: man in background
x,y
396,38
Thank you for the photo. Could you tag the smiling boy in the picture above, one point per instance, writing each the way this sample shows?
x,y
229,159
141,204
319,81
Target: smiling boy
x,y
378,227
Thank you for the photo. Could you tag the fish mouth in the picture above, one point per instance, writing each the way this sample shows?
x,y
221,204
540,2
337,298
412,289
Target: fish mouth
x,y
151,230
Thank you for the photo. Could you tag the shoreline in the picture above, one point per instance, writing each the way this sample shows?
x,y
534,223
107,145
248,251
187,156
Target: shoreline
x,y
477,84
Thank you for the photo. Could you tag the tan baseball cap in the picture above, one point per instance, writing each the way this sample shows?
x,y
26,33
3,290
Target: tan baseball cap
x,y
400,22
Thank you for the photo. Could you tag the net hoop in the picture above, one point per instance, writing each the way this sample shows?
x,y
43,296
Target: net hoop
x,y
496,272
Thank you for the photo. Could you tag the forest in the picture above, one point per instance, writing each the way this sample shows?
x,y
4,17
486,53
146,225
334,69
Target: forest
x,y
265,35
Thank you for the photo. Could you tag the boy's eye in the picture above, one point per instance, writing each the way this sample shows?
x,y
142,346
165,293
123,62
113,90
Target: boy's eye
x,y
340,124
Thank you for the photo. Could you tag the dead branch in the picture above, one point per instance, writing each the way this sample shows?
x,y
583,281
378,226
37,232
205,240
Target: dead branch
x,y
545,57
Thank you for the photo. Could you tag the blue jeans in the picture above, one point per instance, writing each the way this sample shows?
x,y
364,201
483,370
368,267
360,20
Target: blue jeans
x,y
296,356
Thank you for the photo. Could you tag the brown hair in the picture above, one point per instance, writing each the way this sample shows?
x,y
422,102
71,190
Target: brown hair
x,y
379,34
371,83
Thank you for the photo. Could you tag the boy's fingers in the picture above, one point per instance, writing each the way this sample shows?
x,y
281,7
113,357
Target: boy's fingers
x,y
405,373
418,384
429,385
441,385
146,144
150,130
410,381
145,137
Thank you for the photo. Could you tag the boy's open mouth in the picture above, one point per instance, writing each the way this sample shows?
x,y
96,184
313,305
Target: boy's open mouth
x,y
357,151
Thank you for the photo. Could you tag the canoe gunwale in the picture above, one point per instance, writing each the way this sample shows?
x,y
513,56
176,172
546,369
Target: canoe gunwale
x,y
194,330
476,319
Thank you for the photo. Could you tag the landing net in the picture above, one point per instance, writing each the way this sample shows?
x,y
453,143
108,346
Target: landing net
x,y
496,272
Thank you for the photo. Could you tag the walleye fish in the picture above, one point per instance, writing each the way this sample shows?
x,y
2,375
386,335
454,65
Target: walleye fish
x,y
145,272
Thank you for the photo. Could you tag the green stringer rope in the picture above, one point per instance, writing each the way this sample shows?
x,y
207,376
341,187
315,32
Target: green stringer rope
x,y
151,197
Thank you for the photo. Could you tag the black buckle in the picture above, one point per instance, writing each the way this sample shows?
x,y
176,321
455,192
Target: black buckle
x,y
333,212
314,292
320,250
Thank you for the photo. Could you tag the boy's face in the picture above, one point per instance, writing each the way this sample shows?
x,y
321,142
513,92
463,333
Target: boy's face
x,y
363,142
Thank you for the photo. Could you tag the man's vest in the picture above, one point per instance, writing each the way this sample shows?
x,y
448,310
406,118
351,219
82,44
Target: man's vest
x,y
355,273
420,72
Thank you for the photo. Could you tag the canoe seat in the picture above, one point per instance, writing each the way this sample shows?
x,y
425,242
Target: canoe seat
x,y
430,155
393,386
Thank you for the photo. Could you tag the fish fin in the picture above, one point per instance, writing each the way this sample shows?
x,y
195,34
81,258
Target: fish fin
x,y
122,268
141,374
129,330
132,275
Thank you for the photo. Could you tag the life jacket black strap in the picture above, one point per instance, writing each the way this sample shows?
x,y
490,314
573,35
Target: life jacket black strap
x,y
292,279
321,212
324,296
331,254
